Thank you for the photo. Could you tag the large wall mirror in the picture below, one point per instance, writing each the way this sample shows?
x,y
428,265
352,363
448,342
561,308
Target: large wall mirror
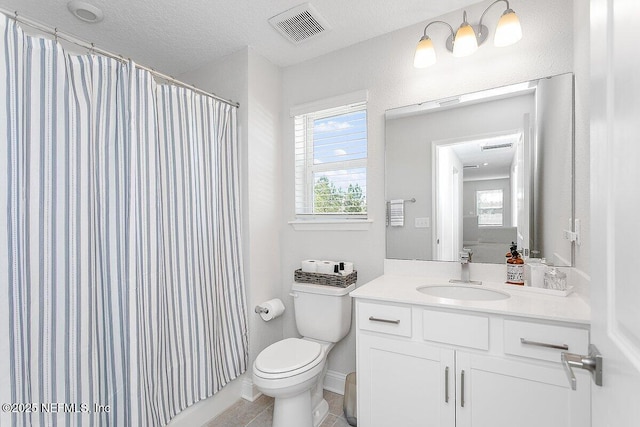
x,y
481,170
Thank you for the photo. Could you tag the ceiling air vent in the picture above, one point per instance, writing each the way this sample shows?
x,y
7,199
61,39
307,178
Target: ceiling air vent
x,y
497,146
300,23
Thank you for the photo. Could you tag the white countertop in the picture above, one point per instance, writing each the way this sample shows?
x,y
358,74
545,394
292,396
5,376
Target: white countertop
x,y
524,303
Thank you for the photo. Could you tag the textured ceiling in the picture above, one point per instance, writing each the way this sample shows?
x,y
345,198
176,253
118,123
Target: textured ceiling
x,y
179,36
498,162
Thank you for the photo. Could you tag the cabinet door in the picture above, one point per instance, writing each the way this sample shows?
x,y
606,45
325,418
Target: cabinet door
x,y
501,392
404,383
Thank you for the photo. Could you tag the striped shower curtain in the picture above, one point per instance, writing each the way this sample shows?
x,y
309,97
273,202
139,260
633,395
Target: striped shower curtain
x,y
191,318
121,287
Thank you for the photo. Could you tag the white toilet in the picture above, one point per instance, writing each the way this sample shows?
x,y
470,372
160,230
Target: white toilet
x,y
292,370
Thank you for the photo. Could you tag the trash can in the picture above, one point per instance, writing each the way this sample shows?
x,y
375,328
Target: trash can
x,y
349,404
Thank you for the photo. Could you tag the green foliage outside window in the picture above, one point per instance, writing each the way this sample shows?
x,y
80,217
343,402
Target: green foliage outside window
x,y
330,199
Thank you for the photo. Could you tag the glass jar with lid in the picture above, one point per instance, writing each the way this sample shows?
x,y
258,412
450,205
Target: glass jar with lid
x,y
555,279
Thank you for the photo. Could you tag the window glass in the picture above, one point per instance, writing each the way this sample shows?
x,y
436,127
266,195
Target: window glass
x,y
331,163
489,207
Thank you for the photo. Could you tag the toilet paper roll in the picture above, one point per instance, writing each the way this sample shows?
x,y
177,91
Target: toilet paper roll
x,y
309,265
348,268
271,309
326,267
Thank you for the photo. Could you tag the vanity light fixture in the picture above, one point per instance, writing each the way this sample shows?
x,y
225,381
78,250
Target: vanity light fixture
x,y
467,38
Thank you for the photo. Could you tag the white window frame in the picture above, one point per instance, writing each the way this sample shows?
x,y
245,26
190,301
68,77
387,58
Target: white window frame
x,y
318,111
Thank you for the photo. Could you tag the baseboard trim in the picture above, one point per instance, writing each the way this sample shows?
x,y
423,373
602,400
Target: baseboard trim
x,y
334,382
249,391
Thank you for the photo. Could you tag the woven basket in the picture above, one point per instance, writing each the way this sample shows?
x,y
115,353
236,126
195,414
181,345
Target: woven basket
x,y
325,279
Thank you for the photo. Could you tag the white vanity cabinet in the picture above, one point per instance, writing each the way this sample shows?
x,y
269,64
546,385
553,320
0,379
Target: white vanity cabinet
x,y
401,382
423,366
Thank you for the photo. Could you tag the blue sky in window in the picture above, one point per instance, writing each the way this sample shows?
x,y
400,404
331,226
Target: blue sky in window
x,y
340,138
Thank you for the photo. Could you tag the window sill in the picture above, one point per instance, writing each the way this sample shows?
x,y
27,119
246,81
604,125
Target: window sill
x,y
331,224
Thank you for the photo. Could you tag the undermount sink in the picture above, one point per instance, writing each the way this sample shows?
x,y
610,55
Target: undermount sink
x,y
463,292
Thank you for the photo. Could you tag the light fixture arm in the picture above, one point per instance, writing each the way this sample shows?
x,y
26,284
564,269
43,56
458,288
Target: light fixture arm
x,y
439,22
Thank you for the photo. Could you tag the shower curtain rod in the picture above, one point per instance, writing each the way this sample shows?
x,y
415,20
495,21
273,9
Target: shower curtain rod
x,y
92,48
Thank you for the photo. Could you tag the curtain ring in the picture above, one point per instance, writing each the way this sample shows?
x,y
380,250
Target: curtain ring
x,y
15,15
92,51
55,34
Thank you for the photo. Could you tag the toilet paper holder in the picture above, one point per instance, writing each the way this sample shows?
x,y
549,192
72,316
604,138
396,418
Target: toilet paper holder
x,y
259,309
270,310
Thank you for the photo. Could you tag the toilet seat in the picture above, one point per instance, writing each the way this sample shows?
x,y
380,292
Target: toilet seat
x,y
287,358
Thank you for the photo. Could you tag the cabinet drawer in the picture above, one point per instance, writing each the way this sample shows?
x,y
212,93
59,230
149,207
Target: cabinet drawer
x,y
544,342
388,319
457,329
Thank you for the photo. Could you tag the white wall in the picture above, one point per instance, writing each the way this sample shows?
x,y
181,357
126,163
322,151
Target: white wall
x,y
383,66
265,198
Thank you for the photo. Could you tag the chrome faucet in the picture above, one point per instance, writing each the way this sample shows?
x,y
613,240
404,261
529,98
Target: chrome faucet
x,y
465,277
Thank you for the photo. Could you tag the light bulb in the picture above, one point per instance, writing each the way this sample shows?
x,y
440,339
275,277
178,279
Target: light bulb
x,y
465,42
425,53
508,30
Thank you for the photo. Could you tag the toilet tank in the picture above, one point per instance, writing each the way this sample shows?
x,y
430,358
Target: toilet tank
x,y
322,312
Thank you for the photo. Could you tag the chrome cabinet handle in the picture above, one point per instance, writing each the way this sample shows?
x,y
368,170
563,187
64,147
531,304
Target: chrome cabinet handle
x,y
544,344
462,389
375,319
446,384
592,363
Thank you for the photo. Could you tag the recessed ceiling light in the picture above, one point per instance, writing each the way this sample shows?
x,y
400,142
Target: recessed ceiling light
x,y
85,12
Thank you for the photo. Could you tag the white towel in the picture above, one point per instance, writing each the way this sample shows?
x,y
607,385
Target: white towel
x,y
396,213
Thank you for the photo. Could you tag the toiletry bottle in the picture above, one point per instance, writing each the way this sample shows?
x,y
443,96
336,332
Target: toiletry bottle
x,y
510,251
515,267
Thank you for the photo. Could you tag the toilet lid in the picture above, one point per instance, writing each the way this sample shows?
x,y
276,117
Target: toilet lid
x,y
287,355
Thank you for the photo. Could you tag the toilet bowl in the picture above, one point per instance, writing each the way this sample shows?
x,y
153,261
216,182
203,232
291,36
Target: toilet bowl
x,y
293,370
290,371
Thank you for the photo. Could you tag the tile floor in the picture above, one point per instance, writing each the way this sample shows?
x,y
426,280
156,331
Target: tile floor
x,y
260,413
